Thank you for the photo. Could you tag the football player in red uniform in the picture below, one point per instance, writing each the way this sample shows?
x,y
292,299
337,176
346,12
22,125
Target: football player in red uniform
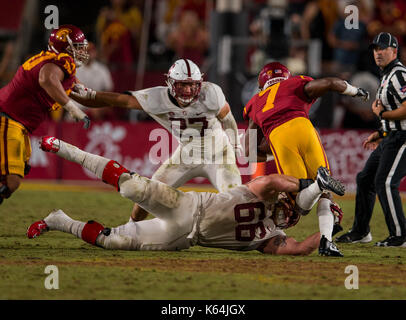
x,y
41,84
281,110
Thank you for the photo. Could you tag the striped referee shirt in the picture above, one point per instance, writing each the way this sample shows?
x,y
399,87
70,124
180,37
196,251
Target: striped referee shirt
x,y
392,93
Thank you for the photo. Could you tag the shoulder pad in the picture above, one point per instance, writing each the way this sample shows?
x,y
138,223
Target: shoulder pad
x,y
66,63
212,96
153,100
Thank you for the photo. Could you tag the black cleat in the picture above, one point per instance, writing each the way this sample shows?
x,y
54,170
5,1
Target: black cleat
x,y
392,241
354,237
328,183
328,248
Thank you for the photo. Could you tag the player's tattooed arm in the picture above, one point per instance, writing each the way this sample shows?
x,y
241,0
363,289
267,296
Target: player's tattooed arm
x,y
274,244
283,245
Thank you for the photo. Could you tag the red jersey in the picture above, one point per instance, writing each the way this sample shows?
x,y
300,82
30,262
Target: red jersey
x,y
279,103
24,100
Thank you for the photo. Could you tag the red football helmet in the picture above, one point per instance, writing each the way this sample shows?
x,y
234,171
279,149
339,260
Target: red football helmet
x,y
71,40
272,73
184,80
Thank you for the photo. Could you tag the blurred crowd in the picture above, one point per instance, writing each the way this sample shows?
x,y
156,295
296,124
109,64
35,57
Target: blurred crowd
x,y
284,30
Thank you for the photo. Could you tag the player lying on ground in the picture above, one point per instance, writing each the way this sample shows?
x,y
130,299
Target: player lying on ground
x,y
243,218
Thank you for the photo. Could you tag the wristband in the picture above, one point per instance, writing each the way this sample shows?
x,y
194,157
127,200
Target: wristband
x,y
350,90
380,114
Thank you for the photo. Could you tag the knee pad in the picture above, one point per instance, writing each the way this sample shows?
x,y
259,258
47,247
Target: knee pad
x,y
118,242
92,230
112,172
134,188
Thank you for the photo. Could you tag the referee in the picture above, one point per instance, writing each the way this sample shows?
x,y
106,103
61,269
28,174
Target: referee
x,y
386,165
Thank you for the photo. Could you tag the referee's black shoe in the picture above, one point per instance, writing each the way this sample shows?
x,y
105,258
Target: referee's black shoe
x,y
328,248
354,237
326,182
392,241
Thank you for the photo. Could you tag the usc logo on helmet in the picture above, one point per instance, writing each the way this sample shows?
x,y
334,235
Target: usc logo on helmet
x,y
62,33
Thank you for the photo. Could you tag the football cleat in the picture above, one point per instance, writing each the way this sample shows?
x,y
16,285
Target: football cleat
x,y
50,144
354,237
36,229
327,182
328,248
392,241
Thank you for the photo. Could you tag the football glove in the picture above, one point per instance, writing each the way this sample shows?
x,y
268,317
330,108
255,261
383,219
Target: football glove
x,y
79,90
362,93
76,113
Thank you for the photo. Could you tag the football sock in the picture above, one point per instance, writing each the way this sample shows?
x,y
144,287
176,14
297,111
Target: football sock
x,y
60,221
308,197
92,162
326,218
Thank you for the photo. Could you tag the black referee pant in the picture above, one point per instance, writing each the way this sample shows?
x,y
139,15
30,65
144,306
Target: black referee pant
x,y
383,171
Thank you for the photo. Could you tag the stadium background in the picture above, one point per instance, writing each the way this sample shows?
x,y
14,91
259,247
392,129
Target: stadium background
x,y
137,41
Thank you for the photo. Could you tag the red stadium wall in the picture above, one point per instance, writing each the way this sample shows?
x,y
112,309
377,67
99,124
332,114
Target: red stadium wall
x,y
130,144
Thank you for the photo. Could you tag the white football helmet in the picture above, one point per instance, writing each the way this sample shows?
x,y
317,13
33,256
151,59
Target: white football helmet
x,y
184,80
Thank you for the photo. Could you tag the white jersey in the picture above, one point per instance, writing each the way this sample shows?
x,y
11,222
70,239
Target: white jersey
x,y
235,220
196,125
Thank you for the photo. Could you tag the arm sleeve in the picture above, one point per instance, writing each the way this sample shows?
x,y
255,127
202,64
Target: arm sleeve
x,y
231,129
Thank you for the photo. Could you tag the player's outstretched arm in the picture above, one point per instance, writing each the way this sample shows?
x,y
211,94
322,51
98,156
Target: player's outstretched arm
x,y
99,99
266,186
316,88
50,79
283,245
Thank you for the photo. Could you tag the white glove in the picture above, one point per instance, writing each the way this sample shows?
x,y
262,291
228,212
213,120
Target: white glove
x,y
76,113
356,92
79,90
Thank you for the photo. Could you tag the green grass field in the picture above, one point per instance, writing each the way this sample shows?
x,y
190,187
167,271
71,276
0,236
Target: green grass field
x,y
88,272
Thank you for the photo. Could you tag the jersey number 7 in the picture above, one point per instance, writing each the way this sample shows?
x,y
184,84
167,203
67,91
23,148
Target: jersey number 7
x,y
272,90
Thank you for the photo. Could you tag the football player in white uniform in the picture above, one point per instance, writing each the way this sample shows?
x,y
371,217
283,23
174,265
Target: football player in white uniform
x,y
247,217
197,114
